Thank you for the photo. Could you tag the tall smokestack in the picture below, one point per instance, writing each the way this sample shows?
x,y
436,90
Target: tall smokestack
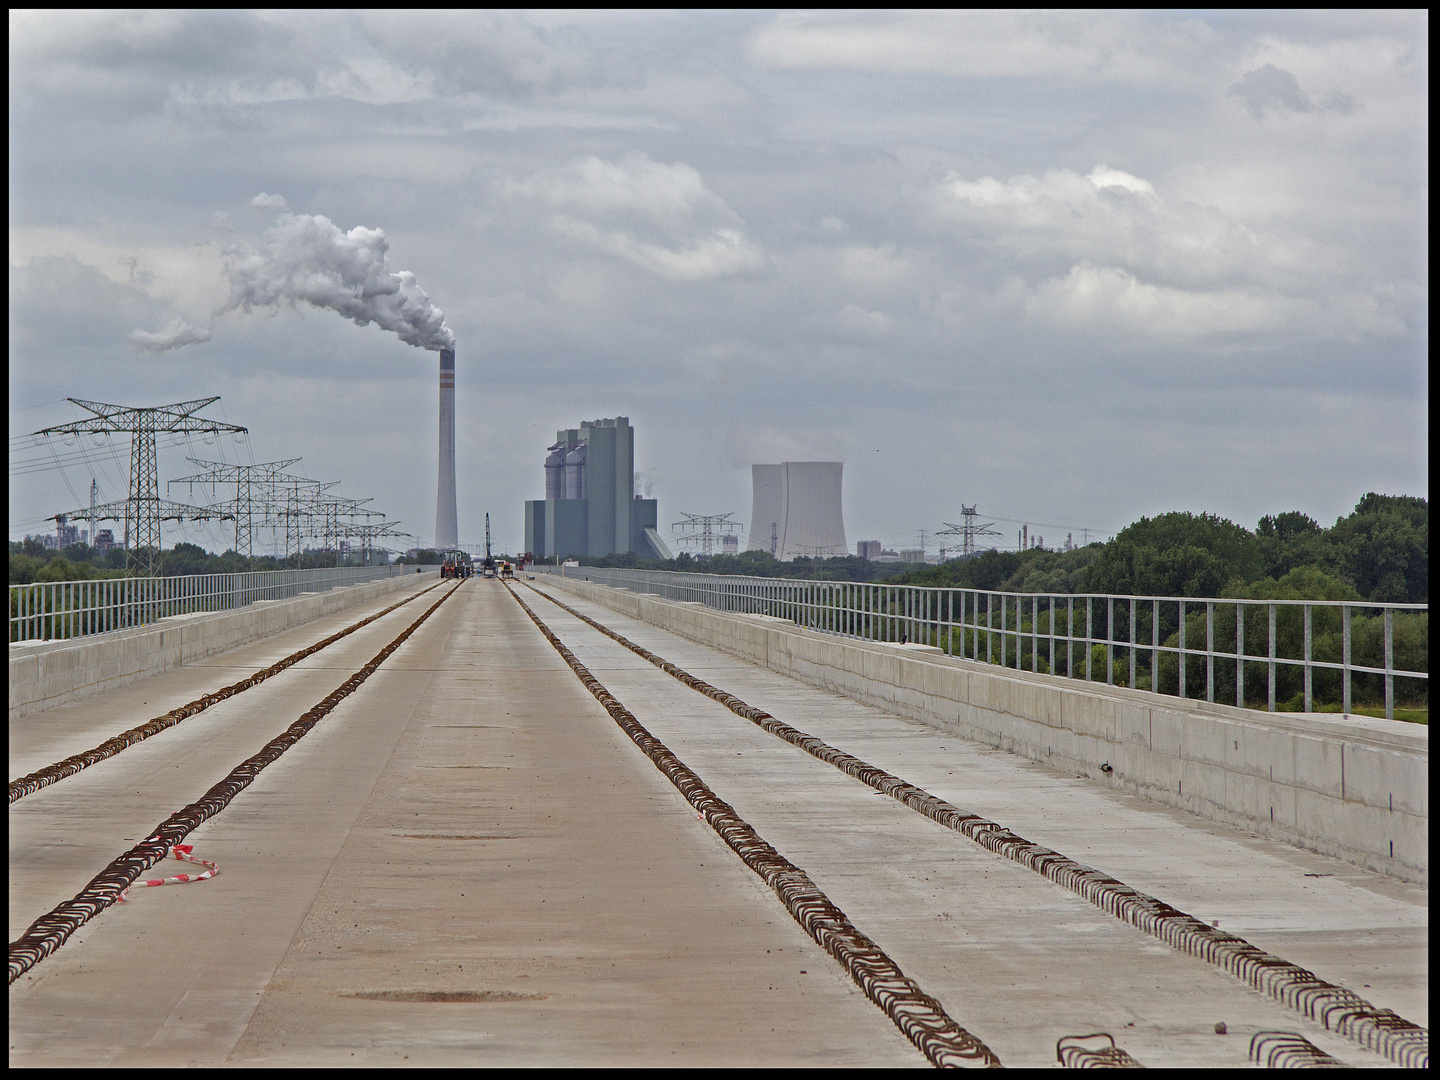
x,y
447,529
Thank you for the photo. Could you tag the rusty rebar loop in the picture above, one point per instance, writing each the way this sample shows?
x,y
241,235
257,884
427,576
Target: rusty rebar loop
x,y
53,929
1289,1050
1334,1007
41,778
920,1018
1096,1051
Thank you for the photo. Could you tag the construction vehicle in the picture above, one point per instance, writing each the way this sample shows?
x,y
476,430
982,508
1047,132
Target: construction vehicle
x,y
456,564
506,570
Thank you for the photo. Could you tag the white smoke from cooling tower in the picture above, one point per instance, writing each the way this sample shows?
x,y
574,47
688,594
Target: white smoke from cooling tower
x,y
796,509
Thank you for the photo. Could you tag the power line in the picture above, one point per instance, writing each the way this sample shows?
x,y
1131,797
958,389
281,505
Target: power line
x,y
1055,525
699,529
143,506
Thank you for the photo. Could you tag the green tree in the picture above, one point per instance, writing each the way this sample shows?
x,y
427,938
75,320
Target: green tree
x,y
1383,548
1176,554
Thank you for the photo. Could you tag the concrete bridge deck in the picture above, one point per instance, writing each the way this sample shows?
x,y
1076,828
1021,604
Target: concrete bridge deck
x,y
471,825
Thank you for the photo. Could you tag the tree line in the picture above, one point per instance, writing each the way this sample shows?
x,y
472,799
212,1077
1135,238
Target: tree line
x,y
1380,552
30,562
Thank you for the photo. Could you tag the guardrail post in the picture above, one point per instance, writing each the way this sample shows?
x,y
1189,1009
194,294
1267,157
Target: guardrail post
x,y
1155,649
1089,630
989,622
1182,648
1050,626
1019,634
1307,659
950,622
1209,650
1110,640
1132,643
1004,608
1389,664
1271,654
1070,637
1240,655
1035,633
1345,658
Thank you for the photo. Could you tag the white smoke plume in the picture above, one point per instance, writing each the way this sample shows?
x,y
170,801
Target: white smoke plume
x,y
307,258
176,333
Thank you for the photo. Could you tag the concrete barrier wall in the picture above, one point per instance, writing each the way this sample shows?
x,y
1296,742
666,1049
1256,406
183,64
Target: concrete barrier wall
x,y
44,674
1354,788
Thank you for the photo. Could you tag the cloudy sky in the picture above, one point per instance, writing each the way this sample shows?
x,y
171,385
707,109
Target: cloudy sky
x,y
1070,268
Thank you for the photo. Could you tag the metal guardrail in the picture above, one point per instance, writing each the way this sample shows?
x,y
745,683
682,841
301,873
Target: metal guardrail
x,y
48,610
1152,640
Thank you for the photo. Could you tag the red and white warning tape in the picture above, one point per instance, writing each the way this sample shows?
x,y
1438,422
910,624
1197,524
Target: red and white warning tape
x,y
183,853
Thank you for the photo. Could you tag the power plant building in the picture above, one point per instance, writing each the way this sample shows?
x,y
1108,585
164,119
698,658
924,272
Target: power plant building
x,y
589,506
796,510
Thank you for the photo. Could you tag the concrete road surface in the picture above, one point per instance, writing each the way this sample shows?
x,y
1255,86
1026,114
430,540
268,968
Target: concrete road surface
x,y
467,862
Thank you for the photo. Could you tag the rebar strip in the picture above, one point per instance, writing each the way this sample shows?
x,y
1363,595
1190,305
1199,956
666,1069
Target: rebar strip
x,y
1287,1050
51,930
920,1018
28,785
1336,1008
1096,1051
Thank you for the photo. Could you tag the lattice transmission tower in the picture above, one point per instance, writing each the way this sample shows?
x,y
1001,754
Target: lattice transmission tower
x,y
367,534
967,531
699,530
143,509
252,483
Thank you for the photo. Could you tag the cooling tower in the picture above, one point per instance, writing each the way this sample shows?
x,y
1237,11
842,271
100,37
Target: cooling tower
x,y
796,509
447,529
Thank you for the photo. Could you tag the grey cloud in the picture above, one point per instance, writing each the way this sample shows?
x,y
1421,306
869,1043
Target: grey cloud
x,y
118,63
485,52
59,301
659,217
1273,88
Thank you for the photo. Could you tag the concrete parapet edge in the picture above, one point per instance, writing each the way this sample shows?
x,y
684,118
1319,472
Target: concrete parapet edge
x,y
44,674
1353,788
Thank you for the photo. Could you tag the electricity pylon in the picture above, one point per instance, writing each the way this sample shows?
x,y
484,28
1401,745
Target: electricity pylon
x,y
143,509
968,531
700,529
246,478
368,533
